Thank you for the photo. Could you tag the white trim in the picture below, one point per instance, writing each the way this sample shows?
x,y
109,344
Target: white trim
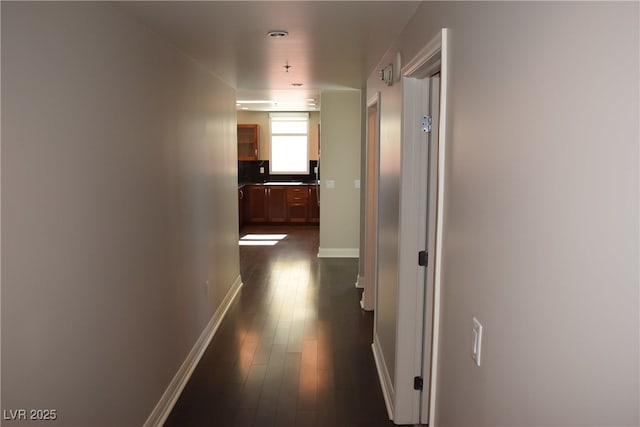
x,y
170,396
423,56
360,282
383,376
373,100
442,161
338,253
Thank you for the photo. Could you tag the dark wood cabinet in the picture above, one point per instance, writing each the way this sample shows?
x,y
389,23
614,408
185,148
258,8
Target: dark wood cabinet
x,y
298,204
257,209
241,200
247,142
277,204
314,206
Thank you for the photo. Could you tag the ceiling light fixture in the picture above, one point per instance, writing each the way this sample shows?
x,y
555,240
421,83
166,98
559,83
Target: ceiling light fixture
x,y
287,67
278,34
255,101
296,84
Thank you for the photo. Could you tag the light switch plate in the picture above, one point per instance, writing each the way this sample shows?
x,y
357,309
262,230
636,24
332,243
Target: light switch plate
x,y
357,183
476,349
331,183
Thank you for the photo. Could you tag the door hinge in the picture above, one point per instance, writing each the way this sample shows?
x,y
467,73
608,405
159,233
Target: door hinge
x,y
423,258
417,383
426,124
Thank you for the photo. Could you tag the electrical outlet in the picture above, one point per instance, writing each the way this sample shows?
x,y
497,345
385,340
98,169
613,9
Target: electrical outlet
x,y
330,183
261,169
476,349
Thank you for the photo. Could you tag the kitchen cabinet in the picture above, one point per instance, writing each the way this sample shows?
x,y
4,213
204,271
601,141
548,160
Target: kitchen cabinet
x,y
257,209
277,204
248,142
241,200
314,206
298,204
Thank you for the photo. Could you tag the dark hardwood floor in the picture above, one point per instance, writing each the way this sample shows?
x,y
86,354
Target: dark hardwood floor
x,y
293,350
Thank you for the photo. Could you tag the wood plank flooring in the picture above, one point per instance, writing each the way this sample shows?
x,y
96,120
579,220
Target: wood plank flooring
x,y
294,349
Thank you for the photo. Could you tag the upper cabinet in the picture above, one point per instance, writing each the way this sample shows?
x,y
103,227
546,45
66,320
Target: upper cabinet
x,y
247,142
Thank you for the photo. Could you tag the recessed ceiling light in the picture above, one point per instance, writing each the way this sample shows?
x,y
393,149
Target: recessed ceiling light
x,y
278,34
296,84
255,101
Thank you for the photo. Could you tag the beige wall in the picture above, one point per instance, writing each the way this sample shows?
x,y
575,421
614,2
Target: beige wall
x,y
261,118
541,214
118,160
340,162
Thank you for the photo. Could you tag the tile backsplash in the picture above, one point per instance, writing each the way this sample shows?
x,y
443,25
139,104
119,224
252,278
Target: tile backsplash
x,y
249,172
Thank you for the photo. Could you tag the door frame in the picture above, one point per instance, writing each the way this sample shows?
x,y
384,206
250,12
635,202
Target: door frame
x,y
419,287
370,293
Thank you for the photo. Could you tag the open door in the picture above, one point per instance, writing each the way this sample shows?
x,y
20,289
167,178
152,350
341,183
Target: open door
x,y
421,203
430,242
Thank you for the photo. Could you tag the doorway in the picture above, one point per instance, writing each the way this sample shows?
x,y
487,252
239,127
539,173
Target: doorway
x,y
424,81
371,201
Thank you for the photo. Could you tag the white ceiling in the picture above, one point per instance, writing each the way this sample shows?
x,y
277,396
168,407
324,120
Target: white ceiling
x,y
331,44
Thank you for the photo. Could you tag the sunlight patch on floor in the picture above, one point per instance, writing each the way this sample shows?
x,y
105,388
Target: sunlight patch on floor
x,y
261,239
264,237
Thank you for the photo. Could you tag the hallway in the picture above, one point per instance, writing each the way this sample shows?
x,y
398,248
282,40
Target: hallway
x,y
293,350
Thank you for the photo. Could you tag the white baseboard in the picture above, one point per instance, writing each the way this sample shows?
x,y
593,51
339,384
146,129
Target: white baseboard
x,y
338,253
164,407
383,376
360,282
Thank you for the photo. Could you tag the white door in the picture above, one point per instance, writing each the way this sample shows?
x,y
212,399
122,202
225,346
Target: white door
x,y
420,236
430,242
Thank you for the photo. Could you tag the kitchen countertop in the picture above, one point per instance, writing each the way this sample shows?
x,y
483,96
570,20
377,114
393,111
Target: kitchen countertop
x,y
283,183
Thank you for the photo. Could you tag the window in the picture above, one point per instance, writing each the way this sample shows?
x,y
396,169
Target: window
x,y
289,143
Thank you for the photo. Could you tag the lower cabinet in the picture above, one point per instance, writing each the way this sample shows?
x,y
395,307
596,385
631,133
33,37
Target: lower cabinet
x,y
314,205
279,204
241,200
298,204
257,210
